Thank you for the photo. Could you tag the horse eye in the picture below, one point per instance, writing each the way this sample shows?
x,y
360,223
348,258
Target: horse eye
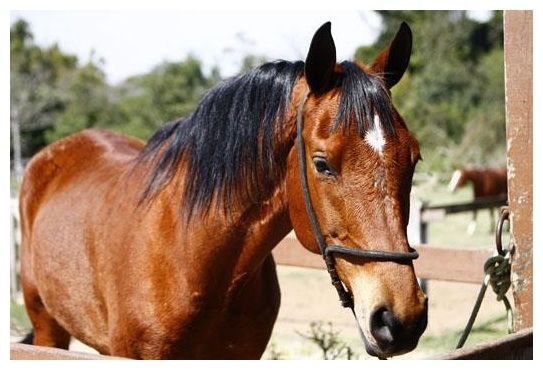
x,y
321,165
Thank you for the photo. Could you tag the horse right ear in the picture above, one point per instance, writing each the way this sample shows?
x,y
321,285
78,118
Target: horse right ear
x,y
394,59
321,60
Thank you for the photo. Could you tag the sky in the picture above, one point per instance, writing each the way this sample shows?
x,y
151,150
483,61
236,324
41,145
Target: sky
x,y
129,43
133,42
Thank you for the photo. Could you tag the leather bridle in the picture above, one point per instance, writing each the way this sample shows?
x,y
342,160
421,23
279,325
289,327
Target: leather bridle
x,y
328,251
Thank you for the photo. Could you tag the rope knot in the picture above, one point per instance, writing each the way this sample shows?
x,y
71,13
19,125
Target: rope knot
x,y
498,271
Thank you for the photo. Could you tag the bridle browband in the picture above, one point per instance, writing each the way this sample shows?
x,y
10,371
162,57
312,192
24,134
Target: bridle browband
x,y
328,251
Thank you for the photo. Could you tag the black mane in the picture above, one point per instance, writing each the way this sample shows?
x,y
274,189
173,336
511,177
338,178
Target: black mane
x,y
229,138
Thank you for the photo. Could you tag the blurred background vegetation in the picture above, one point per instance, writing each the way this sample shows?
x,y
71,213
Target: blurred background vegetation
x,y
452,96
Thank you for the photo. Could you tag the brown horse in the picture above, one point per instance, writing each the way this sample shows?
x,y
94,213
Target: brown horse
x,y
163,250
486,183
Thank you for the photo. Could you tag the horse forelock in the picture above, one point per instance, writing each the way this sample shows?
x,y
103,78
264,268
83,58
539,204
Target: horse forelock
x,y
363,99
228,141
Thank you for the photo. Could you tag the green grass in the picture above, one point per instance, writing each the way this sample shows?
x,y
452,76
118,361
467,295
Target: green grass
x,y
18,319
13,186
485,331
453,229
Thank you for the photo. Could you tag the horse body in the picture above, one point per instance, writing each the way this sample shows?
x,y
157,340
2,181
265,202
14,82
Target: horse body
x,y
485,183
163,250
242,289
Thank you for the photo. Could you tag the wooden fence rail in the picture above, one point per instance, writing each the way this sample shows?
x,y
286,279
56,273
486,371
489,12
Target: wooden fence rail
x,y
438,263
461,264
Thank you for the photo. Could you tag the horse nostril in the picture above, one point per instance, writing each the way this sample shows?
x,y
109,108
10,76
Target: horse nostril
x,y
385,327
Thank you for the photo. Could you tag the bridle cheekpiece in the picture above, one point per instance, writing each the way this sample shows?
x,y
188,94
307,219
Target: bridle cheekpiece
x,y
328,251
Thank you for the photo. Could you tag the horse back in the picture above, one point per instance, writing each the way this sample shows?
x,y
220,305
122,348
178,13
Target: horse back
x,y
55,167
491,182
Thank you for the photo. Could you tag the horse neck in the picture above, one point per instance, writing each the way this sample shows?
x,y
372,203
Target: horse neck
x,y
264,226
474,176
253,229
467,176
267,223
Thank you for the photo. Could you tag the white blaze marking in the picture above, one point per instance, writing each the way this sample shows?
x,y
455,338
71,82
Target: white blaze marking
x,y
361,310
360,319
375,137
454,181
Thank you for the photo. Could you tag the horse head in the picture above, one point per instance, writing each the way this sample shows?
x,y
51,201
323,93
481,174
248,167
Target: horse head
x,y
348,184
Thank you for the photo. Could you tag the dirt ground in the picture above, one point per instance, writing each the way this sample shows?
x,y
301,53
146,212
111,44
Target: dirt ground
x,y
308,296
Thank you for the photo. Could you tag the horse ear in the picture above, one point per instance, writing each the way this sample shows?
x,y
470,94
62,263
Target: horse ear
x,y
321,60
394,59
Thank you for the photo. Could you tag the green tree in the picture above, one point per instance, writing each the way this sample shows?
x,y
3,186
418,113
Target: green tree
x,y
50,94
34,101
86,96
251,61
170,91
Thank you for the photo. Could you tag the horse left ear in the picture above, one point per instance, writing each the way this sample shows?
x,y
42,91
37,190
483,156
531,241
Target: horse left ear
x,y
321,60
394,59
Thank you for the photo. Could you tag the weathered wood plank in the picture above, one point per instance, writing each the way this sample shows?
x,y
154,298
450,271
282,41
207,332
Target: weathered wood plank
x,y
31,352
519,345
439,263
518,55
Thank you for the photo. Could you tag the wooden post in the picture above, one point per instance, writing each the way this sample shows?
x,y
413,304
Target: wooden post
x,y
15,244
518,58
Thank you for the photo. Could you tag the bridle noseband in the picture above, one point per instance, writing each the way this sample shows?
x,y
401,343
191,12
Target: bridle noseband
x,y
328,251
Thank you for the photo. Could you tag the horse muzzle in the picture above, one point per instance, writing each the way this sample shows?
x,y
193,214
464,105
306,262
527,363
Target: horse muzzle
x,y
388,336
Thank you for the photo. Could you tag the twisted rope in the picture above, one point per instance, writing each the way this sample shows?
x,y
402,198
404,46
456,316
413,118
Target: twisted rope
x,y
498,274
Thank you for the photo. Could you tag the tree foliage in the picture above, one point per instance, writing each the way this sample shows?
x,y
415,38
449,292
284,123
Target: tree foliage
x,y
452,96
35,94
53,95
84,92
170,91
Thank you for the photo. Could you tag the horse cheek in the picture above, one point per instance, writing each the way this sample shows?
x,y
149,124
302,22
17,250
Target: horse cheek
x,y
296,206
